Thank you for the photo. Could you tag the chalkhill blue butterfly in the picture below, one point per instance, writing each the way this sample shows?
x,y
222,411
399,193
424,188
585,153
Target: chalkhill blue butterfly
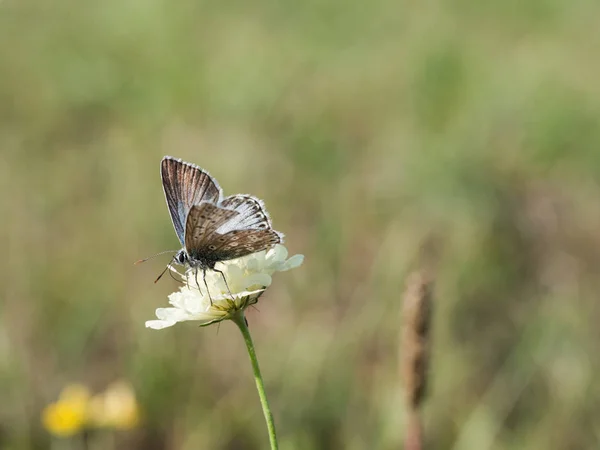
x,y
210,227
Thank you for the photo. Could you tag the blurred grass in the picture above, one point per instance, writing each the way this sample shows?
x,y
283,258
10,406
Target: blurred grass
x,y
365,127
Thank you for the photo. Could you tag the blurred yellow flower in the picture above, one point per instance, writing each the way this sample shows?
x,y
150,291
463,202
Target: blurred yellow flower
x,y
68,415
115,408
76,410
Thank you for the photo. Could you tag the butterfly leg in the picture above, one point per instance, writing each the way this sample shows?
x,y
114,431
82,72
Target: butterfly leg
x,y
173,276
225,280
206,284
196,278
187,282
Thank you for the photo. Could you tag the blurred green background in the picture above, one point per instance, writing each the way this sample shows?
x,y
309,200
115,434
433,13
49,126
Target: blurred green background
x,y
365,127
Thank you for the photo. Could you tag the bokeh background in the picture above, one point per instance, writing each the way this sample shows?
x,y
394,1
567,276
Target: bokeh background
x,y
367,127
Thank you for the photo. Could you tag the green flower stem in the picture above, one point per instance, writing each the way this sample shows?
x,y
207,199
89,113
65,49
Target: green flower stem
x,y
240,321
85,439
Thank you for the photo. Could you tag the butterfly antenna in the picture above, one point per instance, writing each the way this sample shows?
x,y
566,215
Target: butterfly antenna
x,y
150,257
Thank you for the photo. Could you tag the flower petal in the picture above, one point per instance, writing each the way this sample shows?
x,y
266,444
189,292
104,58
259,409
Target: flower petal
x,y
177,299
159,324
238,296
293,262
277,253
258,279
171,314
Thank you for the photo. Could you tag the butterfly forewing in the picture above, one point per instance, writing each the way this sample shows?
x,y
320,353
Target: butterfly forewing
x,y
186,185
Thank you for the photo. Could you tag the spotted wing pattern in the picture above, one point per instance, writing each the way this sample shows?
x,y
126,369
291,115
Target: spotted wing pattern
x,y
251,213
186,185
237,243
202,222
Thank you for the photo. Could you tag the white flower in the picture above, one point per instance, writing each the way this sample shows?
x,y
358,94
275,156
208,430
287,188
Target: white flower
x,y
247,278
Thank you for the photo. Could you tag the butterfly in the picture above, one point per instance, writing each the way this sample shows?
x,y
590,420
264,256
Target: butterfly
x,y
212,228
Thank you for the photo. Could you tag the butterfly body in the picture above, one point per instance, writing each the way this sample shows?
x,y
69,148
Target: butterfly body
x,y
210,227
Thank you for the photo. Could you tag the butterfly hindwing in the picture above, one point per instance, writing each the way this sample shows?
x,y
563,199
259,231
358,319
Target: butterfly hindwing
x,y
201,223
185,185
237,243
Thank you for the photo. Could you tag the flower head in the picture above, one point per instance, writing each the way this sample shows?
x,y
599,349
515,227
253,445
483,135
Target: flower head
x,y
247,278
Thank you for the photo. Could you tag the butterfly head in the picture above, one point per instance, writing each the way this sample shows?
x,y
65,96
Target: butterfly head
x,y
182,257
